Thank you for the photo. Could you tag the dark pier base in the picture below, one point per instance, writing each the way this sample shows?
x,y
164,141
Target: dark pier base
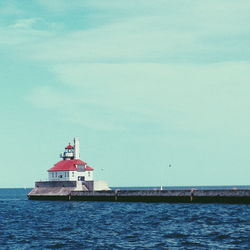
x,y
240,196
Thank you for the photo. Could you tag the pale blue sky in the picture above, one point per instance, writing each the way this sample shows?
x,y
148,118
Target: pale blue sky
x,y
142,83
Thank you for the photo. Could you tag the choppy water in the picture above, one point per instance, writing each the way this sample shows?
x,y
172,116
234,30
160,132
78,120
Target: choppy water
x,y
28,224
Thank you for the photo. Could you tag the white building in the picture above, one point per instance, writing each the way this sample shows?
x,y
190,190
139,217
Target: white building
x,y
71,168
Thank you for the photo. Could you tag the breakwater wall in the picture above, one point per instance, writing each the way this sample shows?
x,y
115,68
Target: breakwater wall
x,y
185,196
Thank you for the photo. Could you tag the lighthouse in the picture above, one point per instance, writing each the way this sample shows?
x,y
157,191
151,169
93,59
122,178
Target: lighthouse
x,y
71,168
68,175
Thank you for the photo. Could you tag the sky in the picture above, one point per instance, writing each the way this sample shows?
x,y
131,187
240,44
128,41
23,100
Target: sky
x,y
142,83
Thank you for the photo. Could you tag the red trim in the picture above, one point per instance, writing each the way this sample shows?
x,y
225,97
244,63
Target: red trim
x,y
88,168
67,165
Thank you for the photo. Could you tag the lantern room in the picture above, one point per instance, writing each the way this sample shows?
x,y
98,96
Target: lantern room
x,y
68,153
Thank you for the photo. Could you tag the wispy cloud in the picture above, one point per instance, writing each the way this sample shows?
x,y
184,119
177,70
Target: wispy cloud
x,y
25,23
175,97
142,44
199,33
146,64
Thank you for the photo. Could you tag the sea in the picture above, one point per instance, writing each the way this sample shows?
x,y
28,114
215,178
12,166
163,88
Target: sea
x,y
26,224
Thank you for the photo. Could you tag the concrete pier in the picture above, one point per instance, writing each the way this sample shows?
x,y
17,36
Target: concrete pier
x,y
240,196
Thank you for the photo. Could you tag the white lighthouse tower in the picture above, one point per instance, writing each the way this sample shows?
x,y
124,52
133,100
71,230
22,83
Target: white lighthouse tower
x,y
77,148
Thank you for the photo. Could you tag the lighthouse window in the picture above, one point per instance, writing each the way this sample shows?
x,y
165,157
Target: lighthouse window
x,y
73,174
89,174
52,175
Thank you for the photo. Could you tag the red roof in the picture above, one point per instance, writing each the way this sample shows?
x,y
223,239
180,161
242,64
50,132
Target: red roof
x,y
69,147
67,165
88,168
